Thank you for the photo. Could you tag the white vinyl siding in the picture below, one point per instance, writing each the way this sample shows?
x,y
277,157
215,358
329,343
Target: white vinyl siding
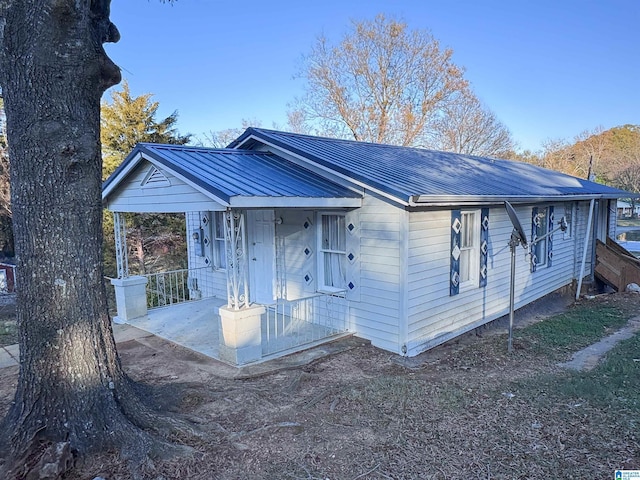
x,y
295,253
433,316
210,282
177,197
377,312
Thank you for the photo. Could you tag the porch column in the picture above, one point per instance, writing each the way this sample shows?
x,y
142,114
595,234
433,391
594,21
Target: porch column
x,y
131,297
120,234
236,251
241,333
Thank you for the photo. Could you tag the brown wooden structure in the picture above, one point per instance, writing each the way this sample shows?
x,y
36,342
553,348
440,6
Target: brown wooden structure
x,y
615,265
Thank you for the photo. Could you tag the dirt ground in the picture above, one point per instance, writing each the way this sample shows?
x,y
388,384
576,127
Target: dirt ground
x,y
467,409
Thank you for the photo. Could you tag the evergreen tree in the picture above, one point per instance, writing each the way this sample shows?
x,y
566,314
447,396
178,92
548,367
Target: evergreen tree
x,y
128,120
154,239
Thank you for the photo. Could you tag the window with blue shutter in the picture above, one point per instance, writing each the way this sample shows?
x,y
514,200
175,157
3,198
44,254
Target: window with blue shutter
x,y
469,249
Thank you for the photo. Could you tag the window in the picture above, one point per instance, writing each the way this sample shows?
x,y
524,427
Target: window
x,y
468,247
539,229
332,248
220,253
568,217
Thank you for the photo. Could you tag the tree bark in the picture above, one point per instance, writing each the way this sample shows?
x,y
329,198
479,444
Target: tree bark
x,y
54,70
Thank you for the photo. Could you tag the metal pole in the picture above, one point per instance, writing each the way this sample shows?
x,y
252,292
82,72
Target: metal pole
x,y
513,243
594,237
584,249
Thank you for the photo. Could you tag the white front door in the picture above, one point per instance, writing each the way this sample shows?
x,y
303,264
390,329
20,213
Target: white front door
x,y
261,240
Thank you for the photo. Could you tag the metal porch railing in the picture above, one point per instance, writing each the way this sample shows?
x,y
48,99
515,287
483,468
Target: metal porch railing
x,y
287,325
176,286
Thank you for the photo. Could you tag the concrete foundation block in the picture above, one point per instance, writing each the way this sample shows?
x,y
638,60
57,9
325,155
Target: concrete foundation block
x,y
131,297
241,334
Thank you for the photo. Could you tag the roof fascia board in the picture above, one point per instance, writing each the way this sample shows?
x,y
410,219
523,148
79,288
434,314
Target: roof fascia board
x,y
124,172
451,200
323,170
294,202
165,208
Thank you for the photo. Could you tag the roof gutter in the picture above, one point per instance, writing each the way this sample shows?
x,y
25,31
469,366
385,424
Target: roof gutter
x,y
472,200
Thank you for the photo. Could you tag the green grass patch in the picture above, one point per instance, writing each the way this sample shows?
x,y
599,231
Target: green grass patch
x,y
629,222
614,383
575,329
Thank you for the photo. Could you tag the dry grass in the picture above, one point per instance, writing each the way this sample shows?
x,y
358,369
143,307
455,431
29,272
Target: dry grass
x,y
468,410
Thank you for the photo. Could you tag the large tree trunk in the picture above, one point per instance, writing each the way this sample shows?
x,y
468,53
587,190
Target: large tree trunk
x,y
53,72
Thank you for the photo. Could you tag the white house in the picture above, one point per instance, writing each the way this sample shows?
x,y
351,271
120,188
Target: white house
x,y
625,209
405,247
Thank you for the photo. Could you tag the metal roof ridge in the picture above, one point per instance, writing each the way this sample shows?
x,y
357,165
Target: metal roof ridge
x,y
350,176
384,145
170,146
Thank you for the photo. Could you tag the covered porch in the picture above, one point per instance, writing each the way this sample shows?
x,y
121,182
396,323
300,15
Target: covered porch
x,y
197,325
208,326
249,291
261,316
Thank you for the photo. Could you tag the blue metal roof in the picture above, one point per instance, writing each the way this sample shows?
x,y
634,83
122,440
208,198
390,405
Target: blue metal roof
x,y
227,173
420,176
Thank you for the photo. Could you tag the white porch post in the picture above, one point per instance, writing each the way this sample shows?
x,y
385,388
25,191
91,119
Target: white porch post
x,y
241,333
131,295
236,250
120,234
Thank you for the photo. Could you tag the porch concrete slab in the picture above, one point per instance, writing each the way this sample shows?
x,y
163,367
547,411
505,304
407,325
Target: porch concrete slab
x,y
195,325
123,333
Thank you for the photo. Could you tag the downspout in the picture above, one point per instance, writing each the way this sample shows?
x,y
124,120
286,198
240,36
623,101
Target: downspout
x,y
594,237
586,245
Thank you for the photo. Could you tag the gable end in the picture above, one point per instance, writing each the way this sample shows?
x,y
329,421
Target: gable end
x,y
154,179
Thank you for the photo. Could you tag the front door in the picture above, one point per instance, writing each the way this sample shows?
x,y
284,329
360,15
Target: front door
x,y
261,239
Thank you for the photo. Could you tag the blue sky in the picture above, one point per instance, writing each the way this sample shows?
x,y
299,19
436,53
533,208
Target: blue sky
x,y
548,69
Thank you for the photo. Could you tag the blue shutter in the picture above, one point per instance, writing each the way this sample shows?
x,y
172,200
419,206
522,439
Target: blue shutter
x,y
534,260
550,238
484,245
454,277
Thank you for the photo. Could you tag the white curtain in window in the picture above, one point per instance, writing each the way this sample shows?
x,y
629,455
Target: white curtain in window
x,y
334,275
333,246
467,245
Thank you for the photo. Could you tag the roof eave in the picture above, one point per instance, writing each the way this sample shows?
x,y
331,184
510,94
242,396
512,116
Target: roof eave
x,y
467,200
113,181
294,202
